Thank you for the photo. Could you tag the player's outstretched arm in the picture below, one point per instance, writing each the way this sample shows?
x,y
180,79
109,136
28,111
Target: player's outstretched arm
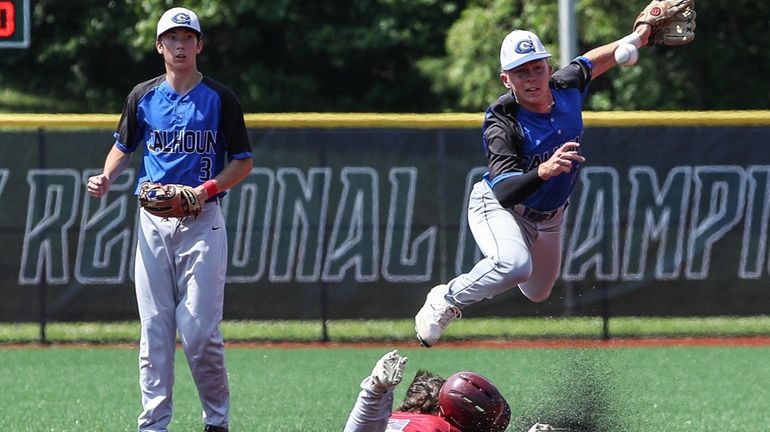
x,y
375,400
114,164
661,22
603,57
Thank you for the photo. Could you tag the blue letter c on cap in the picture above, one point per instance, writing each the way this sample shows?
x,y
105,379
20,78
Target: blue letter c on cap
x,y
181,18
525,46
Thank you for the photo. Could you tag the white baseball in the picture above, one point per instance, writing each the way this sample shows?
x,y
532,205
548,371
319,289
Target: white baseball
x,y
626,54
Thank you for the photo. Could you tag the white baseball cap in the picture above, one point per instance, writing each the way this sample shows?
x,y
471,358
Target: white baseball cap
x,y
519,47
178,17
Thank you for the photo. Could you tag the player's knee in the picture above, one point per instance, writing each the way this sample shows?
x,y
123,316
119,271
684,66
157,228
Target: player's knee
x,y
537,293
514,270
538,296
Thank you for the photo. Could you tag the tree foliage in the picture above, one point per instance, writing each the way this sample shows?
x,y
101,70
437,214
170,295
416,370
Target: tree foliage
x,y
282,55
378,55
726,66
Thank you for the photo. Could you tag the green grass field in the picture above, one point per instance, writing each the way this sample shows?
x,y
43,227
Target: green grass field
x,y
67,389
93,386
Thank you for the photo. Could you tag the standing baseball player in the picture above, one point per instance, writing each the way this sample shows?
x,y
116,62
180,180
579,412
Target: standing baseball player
x,y
188,125
532,137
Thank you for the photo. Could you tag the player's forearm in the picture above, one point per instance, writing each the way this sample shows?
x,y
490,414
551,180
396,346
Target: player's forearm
x,y
371,410
234,173
115,163
513,190
603,57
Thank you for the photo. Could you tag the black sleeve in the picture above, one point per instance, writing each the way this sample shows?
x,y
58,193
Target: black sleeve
x,y
513,190
502,137
127,125
575,75
511,180
128,134
233,125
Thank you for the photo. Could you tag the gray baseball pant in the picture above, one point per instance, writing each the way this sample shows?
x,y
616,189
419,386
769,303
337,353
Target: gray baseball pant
x,y
516,250
180,279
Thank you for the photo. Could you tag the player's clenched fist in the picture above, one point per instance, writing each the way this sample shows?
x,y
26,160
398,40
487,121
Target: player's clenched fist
x,y
98,185
561,161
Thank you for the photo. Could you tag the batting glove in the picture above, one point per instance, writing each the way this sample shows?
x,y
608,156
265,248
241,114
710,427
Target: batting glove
x,y
388,371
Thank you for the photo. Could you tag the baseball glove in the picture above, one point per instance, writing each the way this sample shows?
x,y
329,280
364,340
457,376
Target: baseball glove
x,y
672,22
167,201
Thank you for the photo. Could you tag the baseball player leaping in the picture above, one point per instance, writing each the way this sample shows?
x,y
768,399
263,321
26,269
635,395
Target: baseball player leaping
x,y
531,137
188,124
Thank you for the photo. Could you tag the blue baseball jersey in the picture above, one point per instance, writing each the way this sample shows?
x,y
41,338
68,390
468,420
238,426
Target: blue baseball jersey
x,y
517,140
186,138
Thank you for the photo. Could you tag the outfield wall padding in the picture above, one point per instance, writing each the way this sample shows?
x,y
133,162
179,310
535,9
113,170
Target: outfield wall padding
x,y
359,216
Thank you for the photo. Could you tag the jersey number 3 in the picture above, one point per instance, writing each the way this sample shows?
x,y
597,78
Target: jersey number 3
x,y
206,165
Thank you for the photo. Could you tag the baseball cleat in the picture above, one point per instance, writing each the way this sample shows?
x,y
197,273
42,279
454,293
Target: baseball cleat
x,y
388,371
434,316
537,427
210,428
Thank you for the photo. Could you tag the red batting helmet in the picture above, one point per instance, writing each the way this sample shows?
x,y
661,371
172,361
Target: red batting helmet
x,y
473,404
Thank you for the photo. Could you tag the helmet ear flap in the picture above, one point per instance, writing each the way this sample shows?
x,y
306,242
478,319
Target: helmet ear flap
x,y
502,421
472,403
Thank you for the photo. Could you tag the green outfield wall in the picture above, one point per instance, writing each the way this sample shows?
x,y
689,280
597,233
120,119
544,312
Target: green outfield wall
x,y
358,215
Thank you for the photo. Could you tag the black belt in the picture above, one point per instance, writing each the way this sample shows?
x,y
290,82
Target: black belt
x,y
538,216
